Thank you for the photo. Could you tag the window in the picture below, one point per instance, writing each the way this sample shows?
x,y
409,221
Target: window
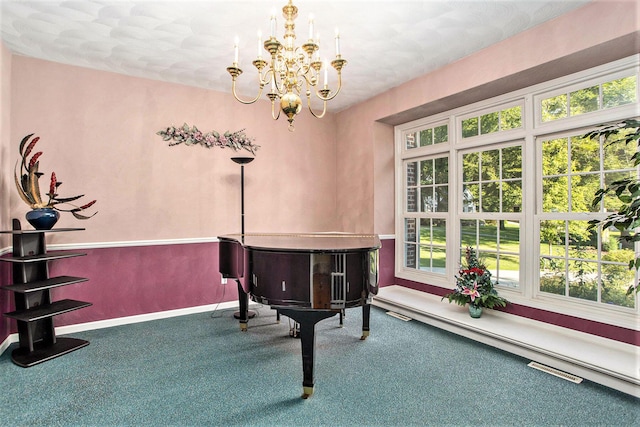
x,y
494,121
492,180
609,94
427,136
519,188
575,261
426,205
491,202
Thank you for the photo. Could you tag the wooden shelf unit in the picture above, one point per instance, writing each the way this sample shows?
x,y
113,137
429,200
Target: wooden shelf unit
x,y
34,308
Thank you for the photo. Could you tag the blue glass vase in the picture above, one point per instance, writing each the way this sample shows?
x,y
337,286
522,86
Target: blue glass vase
x,y
475,311
43,218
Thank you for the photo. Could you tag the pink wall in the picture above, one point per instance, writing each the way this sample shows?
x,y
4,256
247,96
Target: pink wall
x,y
6,181
6,178
383,184
355,175
98,134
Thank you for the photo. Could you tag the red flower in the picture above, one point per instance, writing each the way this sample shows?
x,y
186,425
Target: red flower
x,y
34,159
30,146
88,205
52,185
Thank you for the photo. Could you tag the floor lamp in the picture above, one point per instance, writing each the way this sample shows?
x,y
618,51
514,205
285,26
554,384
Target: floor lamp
x,y
242,161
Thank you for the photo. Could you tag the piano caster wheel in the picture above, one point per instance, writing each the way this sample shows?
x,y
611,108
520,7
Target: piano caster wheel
x,y
243,327
294,331
364,336
307,392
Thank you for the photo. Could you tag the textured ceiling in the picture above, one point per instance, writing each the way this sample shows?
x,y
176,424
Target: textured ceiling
x,y
386,42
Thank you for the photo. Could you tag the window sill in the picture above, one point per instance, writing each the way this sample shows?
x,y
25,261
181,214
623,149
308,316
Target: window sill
x,y
601,360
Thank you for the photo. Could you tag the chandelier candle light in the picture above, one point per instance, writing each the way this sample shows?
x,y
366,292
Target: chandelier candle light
x,y
291,69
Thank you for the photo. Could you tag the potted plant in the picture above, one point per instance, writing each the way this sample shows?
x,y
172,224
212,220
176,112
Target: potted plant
x,y
43,214
474,286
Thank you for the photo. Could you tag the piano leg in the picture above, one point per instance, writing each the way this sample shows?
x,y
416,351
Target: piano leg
x,y
366,315
307,320
243,314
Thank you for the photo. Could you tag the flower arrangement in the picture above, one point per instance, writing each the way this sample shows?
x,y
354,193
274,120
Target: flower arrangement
x,y
27,182
191,136
473,284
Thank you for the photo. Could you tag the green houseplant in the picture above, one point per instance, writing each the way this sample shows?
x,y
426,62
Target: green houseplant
x,y
474,286
45,212
626,190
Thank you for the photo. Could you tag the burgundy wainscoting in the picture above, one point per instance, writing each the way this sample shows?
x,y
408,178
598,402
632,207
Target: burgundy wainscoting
x,y
6,301
387,262
127,281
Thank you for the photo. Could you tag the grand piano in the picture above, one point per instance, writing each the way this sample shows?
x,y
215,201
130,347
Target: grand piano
x,y
306,277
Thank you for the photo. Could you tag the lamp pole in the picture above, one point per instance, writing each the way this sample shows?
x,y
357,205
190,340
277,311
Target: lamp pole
x,y
243,297
242,161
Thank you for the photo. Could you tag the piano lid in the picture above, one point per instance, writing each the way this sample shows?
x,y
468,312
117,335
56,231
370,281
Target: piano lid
x,y
306,242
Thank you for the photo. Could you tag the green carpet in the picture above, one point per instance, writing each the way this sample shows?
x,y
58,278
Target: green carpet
x,y
200,370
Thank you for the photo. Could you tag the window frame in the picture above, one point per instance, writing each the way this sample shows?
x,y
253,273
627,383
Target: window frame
x,y
569,215
404,155
533,128
599,77
493,216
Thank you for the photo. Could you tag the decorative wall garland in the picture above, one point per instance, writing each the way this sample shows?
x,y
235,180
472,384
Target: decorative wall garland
x,y
191,136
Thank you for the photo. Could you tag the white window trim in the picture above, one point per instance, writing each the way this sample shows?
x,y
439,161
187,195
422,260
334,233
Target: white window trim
x,y
609,72
529,98
493,136
515,216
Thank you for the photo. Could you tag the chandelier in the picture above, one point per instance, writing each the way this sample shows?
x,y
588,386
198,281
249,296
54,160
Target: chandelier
x,y
289,70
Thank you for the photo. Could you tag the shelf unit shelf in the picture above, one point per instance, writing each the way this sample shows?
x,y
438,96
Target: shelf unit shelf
x,y
34,309
49,256
40,285
42,352
49,310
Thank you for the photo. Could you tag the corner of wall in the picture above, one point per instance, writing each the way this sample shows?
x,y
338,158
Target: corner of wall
x,y
5,177
5,141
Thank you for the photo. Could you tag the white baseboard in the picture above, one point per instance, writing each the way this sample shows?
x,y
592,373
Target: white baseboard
x,y
108,323
7,342
611,363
